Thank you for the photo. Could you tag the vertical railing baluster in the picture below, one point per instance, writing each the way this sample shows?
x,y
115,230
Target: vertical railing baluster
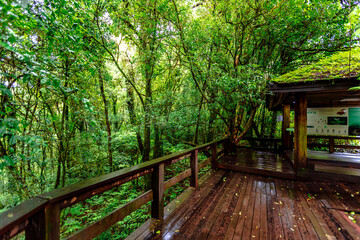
x,y
157,205
194,169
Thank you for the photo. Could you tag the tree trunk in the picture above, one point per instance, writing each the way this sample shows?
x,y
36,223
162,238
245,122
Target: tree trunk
x,y
147,119
108,127
158,147
116,121
198,122
131,109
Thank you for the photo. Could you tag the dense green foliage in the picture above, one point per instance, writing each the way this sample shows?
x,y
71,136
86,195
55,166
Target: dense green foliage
x,y
88,87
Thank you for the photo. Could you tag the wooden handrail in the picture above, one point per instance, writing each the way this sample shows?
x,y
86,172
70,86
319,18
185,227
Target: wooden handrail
x,y
331,145
262,139
40,216
274,141
335,137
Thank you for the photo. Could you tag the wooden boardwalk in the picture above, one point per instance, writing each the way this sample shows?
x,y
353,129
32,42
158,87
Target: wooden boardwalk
x,y
260,162
235,205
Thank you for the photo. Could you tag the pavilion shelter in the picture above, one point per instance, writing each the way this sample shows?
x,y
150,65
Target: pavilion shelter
x,y
333,82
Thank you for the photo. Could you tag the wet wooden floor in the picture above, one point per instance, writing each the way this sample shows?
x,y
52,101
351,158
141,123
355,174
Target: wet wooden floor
x,y
259,162
346,165
235,205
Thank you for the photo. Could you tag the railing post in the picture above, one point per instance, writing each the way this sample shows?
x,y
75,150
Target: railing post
x,y
52,218
194,169
213,155
331,145
45,224
157,205
36,229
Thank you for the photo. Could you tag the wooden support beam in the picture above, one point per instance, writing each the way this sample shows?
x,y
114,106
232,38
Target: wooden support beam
x,y
157,205
300,133
213,155
194,182
285,125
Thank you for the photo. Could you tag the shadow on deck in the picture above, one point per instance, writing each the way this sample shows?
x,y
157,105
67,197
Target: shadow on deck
x,y
236,205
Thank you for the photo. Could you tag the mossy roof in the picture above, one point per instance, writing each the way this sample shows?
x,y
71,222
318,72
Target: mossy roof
x,y
334,67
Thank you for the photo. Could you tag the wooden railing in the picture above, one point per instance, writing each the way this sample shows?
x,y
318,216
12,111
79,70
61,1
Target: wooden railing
x,y
39,217
274,142
331,142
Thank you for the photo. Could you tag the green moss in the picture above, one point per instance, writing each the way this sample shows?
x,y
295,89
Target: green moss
x,y
336,66
355,89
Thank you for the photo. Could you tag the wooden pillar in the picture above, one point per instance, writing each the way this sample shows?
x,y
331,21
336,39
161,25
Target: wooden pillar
x,y
286,124
213,155
45,224
194,169
300,133
157,205
331,145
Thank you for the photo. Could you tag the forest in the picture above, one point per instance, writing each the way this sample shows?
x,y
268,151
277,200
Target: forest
x,y
88,87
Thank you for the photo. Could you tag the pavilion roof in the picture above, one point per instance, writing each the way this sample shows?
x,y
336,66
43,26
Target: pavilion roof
x,y
337,66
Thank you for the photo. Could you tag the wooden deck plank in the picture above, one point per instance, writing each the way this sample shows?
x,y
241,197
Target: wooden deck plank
x,y
205,222
303,222
263,209
296,222
244,220
274,221
287,219
344,229
349,229
222,223
247,206
198,200
310,216
244,186
197,210
322,217
236,228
